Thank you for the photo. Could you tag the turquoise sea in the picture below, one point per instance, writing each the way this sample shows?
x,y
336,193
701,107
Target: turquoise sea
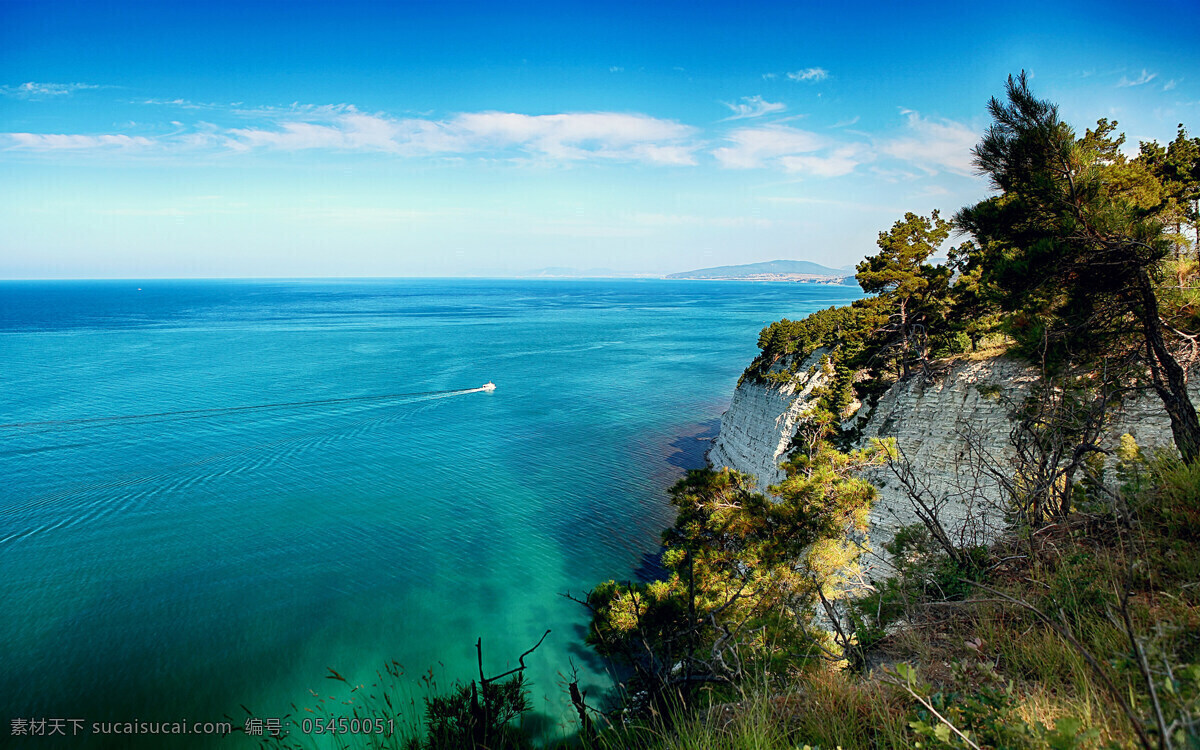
x,y
191,566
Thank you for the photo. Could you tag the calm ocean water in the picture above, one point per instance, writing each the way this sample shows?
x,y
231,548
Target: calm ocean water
x,y
181,566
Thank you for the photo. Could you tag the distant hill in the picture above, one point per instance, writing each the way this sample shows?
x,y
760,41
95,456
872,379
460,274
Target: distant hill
x,y
772,268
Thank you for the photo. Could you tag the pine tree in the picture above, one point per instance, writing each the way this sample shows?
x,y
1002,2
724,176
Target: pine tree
x,y
1177,167
914,291
1077,259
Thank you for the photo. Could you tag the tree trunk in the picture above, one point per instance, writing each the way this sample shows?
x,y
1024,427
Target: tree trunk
x,y
1196,224
1170,381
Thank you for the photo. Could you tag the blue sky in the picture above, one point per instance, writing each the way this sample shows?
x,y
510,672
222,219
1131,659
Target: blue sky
x,y
210,139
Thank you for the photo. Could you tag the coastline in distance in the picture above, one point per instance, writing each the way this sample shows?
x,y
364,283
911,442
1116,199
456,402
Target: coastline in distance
x,y
774,270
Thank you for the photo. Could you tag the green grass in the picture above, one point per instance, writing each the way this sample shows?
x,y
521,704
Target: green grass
x,y
823,708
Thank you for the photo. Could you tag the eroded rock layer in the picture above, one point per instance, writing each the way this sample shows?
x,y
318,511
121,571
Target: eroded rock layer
x,y
946,431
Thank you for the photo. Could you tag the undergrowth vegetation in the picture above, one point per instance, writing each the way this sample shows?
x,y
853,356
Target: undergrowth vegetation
x,y
1077,636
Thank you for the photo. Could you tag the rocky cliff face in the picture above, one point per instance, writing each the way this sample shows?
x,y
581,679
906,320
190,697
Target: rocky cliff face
x,y
756,430
930,422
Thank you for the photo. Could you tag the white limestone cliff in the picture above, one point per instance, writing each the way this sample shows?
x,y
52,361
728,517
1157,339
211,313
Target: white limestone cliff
x,y
756,430
929,421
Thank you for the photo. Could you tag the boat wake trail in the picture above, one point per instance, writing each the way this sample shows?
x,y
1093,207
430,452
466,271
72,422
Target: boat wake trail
x,y
131,492
223,410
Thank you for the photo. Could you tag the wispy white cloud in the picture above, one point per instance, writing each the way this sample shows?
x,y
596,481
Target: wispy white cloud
x,y
837,162
616,69
575,136
811,75
931,190
846,123
60,142
182,103
294,111
1170,84
934,145
753,106
349,132
759,147
792,150
928,144
568,137
892,175
188,104
33,90
1141,80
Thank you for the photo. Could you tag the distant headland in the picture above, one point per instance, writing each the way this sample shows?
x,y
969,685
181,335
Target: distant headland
x,y
773,270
